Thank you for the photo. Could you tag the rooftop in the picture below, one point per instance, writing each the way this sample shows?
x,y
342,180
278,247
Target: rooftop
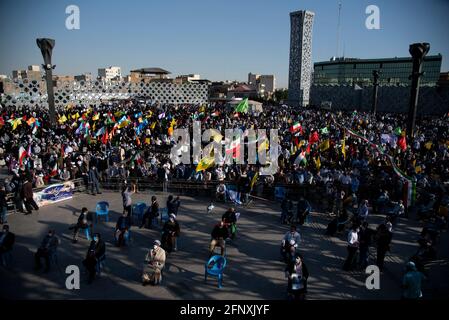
x,y
151,71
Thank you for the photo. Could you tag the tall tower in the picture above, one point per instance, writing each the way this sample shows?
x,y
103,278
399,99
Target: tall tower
x,y
300,69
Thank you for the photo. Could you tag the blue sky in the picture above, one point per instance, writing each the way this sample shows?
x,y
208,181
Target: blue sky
x,y
217,39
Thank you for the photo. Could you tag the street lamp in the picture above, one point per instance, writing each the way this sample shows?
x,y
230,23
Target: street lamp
x,y
46,45
376,75
418,52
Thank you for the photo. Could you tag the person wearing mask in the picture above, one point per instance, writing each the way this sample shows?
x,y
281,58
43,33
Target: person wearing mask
x,y
170,232
95,255
82,223
46,250
353,245
122,229
7,240
28,199
297,274
219,234
154,263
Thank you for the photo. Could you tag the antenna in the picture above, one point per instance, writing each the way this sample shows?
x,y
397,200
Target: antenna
x,y
338,28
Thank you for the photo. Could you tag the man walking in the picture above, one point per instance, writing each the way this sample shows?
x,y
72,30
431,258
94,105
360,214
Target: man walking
x,y
353,245
28,196
93,180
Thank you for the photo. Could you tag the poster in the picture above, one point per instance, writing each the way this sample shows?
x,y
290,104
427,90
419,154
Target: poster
x,y
54,193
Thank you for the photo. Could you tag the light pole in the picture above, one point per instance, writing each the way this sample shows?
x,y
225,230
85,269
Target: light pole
x,y
418,52
46,45
376,75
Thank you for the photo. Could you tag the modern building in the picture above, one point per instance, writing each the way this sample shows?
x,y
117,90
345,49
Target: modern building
x,y
33,73
86,77
300,68
443,81
265,84
148,75
393,71
111,73
242,91
188,78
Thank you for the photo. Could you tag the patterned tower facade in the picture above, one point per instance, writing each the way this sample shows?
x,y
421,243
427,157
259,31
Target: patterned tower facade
x,y
300,69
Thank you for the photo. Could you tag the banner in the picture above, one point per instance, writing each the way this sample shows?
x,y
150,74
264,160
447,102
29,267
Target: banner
x,y
54,193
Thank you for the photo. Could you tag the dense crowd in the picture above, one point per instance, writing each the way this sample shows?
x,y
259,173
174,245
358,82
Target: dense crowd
x,y
360,160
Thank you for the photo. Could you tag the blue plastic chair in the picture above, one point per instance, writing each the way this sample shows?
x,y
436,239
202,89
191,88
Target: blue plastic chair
x,y
102,209
279,193
164,215
138,210
215,267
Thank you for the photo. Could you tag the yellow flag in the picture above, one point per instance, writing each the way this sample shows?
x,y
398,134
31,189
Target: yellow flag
x,y
324,145
147,140
253,180
153,125
16,122
263,146
318,163
428,145
205,163
62,119
96,117
343,148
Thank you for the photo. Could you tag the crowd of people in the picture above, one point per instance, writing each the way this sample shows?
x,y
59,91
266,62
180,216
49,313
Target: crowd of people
x,y
363,163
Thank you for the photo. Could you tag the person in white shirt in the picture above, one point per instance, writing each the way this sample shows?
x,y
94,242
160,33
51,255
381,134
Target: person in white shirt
x,y
353,245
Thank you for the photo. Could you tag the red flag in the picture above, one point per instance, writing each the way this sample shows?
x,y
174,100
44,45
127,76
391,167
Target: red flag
x,y
314,137
402,143
22,154
54,172
104,139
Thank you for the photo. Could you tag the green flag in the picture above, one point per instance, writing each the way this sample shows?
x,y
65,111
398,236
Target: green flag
x,y
242,107
324,130
398,131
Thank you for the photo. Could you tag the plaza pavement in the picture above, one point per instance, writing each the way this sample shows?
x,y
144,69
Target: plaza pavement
x,y
253,271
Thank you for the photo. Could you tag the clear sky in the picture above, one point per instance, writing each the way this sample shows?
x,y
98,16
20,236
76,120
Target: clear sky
x,y
220,40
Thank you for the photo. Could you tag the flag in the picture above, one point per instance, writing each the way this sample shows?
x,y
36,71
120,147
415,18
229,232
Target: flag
x,y
153,125
398,131
215,114
402,143
30,121
161,116
324,130
54,171
104,139
343,148
147,140
314,137
263,146
294,128
62,119
428,145
301,158
96,117
205,163
34,130
100,132
2,122
242,107
137,158
254,180
324,145
15,123
22,154
318,162
234,148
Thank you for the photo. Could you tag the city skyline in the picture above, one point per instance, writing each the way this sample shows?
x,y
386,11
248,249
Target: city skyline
x,y
222,45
